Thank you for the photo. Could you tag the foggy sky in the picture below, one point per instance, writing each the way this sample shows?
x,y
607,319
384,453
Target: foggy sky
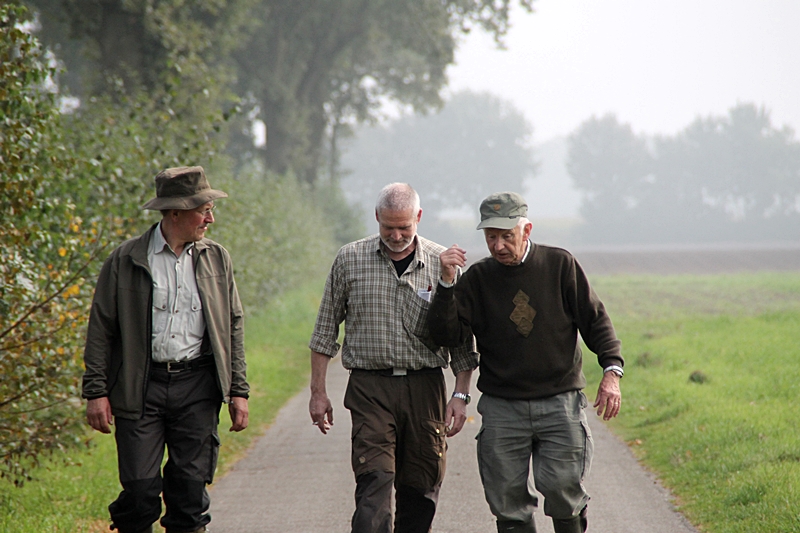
x,y
657,65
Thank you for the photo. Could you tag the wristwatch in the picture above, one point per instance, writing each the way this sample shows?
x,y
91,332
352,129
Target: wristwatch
x,y
615,369
462,396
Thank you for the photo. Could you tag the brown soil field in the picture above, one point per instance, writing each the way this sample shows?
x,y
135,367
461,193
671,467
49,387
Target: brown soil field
x,y
689,260
663,260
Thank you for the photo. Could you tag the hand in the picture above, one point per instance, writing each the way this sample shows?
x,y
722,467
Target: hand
x,y
239,412
609,396
98,414
455,416
451,259
321,411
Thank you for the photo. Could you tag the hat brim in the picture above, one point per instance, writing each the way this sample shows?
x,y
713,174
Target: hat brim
x,y
499,223
185,202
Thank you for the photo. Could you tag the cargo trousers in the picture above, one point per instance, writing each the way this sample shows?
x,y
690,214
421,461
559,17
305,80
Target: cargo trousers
x,y
552,436
398,439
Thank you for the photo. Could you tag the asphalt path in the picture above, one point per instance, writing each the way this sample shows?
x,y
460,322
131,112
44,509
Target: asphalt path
x,y
294,479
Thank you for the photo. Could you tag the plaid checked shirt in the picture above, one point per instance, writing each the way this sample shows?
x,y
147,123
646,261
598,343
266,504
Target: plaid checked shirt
x,y
385,316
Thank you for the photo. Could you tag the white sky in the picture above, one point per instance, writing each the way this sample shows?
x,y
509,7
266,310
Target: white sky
x,y
656,64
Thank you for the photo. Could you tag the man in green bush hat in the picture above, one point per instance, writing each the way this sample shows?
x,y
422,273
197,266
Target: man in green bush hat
x,y
164,349
526,305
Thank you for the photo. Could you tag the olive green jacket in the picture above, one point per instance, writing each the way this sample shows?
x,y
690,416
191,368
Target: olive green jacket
x,y
118,341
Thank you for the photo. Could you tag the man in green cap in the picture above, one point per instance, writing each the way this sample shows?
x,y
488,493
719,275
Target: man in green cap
x,y
526,305
164,349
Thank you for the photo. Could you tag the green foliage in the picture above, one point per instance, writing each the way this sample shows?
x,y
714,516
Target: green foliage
x,y
75,489
45,251
731,178
477,144
276,236
725,445
142,42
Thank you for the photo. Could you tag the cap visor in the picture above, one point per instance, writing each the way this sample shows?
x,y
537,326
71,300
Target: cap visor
x,y
498,223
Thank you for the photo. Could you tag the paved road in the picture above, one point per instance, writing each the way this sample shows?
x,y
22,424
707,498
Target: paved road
x,y
295,479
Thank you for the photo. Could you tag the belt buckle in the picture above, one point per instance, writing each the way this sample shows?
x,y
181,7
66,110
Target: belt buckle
x,y
177,368
399,371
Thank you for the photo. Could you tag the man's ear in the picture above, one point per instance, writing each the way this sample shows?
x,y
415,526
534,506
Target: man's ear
x,y
419,215
526,232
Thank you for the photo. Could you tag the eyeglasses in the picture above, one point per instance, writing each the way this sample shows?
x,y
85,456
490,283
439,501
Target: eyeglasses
x,y
208,211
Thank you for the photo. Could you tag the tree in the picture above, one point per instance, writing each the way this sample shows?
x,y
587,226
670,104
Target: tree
x,y
477,144
46,251
612,167
743,172
315,66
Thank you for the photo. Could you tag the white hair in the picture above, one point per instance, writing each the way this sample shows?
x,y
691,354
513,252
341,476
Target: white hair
x,y
397,197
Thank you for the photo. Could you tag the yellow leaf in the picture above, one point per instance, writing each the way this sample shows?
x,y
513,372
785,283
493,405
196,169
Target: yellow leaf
x,y
62,252
60,350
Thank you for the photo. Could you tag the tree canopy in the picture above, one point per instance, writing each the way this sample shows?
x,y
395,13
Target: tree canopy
x,y
306,68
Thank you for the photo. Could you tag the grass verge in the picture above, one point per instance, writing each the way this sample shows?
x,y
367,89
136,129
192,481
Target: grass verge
x,y
72,494
710,392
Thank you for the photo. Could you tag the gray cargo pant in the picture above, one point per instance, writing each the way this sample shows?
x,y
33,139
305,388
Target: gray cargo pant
x,y
553,435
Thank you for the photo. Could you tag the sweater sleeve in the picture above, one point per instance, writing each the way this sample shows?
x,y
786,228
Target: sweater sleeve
x,y
443,321
591,317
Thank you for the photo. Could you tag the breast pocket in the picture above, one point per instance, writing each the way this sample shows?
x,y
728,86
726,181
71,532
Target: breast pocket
x,y
160,310
415,316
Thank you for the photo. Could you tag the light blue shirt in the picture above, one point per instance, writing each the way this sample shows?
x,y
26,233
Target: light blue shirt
x,y
178,323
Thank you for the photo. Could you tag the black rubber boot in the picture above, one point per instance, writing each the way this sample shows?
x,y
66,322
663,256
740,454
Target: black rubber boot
x,y
576,524
514,526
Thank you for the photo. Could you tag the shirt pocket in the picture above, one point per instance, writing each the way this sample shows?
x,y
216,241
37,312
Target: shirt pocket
x,y
415,316
160,310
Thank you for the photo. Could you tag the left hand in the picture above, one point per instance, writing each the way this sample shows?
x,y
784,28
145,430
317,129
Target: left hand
x,y
239,413
609,396
455,416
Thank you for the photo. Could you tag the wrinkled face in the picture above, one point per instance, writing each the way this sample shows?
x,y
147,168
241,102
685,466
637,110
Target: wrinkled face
x,y
191,224
507,245
398,228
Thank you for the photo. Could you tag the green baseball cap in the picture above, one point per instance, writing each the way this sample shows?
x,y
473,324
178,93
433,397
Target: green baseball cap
x,y
502,210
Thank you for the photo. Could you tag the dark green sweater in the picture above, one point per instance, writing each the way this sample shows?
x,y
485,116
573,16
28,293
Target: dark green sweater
x,y
526,320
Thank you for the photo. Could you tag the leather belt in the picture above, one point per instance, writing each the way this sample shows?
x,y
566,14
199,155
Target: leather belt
x,y
174,367
395,372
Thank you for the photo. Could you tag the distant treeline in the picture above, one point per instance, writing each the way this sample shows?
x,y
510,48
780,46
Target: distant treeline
x,y
733,178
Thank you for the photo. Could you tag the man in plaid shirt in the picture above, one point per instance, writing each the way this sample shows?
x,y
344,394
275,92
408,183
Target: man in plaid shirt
x,y
381,287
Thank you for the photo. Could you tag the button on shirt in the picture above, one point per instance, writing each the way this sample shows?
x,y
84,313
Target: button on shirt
x,y
385,315
178,323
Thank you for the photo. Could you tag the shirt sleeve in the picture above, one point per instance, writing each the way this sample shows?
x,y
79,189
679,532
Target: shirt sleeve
x,y
332,310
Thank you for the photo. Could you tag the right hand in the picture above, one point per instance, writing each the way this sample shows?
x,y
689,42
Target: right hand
x,y
451,259
321,411
98,414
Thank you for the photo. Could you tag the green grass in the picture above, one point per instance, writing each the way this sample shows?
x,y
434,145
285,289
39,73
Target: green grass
x,y
74,497
710,392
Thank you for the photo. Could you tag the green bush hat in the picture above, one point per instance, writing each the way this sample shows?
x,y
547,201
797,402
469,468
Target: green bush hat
x,y
502,210
182,188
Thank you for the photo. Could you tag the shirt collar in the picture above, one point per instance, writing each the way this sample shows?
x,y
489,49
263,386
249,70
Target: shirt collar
x,y
418,252
528,245
158,243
